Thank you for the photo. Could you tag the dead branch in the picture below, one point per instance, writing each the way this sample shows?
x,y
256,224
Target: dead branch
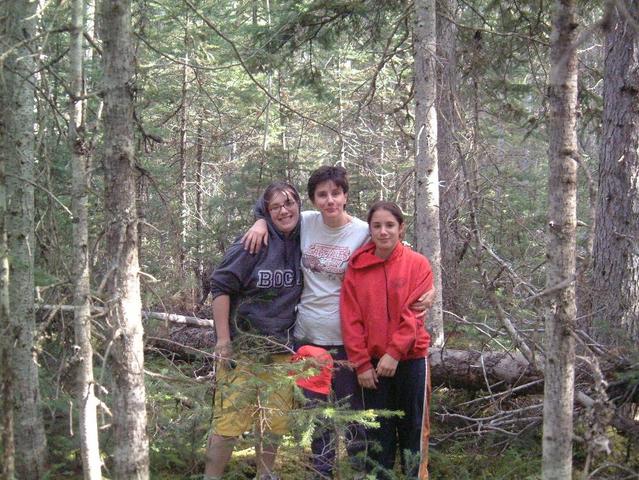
x,y
167,317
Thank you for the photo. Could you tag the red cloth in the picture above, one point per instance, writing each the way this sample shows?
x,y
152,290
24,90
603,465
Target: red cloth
x,y
375,306
320,383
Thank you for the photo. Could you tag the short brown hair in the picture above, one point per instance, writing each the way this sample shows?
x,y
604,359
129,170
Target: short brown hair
x,y
325,173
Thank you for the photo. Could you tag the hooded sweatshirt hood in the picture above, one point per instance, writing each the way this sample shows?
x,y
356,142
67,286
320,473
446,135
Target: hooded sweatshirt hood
x,y
264,287
365,256
375,306
261,209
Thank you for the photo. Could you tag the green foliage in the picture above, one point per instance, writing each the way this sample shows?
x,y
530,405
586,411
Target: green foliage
x,y
43,278
339,77
178,414
61,426
467,462
480,455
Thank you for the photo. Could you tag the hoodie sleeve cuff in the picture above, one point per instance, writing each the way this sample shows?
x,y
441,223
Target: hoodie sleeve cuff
x,y
394,352
364,367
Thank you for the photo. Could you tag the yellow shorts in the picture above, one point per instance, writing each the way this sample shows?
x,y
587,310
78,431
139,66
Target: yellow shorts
x,y
253,394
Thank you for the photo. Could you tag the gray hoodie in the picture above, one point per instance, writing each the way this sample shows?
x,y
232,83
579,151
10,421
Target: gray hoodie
x,y
264,287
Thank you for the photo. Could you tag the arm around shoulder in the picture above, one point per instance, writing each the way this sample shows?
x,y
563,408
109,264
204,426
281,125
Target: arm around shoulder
x,y
256,236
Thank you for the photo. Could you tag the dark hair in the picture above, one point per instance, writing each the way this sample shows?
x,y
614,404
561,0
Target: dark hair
x,y
284,188
390,207
323,174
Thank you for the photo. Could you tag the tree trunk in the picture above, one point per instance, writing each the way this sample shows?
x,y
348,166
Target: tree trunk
x,y
18,26
6,373
426,170
199,211
266,137
616,248
562,221
131,458
184,118
85,391
451,187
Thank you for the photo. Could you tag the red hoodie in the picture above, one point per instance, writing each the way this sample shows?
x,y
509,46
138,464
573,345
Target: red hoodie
x,y
375,306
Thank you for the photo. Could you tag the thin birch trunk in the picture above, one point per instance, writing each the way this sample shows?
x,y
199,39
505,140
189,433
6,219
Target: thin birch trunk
x,y
340,106
18,149
184,211
131,456
199,213
266,140
427,237
562,221
267,115
282,124
85,384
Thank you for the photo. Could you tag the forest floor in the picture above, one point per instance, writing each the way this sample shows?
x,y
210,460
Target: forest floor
x,y
179,413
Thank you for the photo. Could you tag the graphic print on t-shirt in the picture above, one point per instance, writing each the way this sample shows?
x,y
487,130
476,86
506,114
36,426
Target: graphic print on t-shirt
x,y
331,259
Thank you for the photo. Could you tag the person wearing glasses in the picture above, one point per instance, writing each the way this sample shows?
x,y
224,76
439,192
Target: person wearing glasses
x,y
329,236
254,308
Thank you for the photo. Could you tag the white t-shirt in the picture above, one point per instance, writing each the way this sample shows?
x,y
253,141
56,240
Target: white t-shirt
x,y
325,255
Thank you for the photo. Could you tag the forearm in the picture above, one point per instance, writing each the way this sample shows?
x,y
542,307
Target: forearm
x,y
221,312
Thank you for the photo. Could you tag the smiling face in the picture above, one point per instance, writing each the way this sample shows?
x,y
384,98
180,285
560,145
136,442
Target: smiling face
x,y
386,231
330,199
284,211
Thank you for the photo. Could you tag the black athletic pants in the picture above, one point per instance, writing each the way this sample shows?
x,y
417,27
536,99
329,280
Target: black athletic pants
x,y
405,392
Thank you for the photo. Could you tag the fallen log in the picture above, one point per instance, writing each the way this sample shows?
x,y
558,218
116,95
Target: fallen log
x,y
179,319
485,370
492,371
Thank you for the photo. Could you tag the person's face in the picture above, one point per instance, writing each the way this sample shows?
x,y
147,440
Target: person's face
x,y
385,230
284,211
330,200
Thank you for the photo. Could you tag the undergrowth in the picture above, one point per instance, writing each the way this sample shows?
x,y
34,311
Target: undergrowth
x,y
179,413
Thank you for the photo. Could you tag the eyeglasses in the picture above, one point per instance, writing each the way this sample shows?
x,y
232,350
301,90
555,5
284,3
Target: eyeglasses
x,y
288,204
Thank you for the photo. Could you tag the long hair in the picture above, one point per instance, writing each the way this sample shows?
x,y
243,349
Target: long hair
x,y
390,207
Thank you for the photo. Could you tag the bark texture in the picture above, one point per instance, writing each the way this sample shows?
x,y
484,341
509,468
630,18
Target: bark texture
x,y
184,125
131,459
6,374
17,28
85,384
427,237
451,186
616,248
474,370
562,221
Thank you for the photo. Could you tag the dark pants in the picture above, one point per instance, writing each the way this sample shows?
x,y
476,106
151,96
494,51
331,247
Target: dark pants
x,y
345,391
405,392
